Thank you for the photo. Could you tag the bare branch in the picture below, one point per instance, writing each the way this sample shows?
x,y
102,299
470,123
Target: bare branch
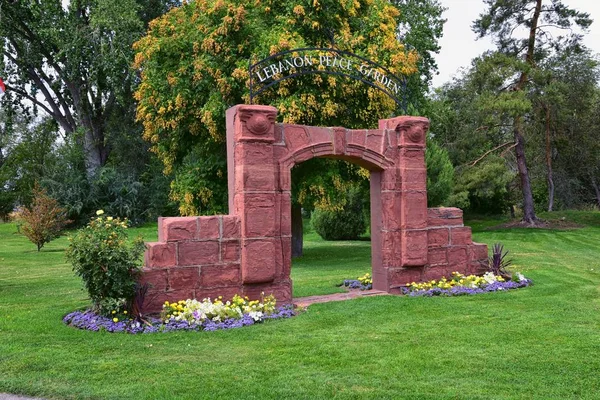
x,y
489,151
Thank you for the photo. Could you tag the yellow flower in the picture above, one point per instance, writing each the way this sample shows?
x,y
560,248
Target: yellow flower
x,y
99,212
125,312
115,319
113,312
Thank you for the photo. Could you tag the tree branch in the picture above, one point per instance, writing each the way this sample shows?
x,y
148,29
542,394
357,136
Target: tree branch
x,y
30,98
489,151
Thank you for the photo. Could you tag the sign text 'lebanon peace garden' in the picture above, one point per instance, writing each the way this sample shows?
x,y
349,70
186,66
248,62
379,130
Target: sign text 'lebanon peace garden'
x,y
297,62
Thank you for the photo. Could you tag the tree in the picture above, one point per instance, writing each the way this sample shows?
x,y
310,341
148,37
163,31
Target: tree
x,y
71,60
563,91
440,174
421,26
194,65
44,219
502,21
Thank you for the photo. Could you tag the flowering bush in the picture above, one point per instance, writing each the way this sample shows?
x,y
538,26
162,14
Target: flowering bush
x,y
109,266
460,284
186,315
364,282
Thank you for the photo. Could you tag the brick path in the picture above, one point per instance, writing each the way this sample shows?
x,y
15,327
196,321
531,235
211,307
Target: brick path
x,y
351,294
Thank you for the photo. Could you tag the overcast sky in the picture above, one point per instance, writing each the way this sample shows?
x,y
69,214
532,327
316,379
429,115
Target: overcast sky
x,y
459,46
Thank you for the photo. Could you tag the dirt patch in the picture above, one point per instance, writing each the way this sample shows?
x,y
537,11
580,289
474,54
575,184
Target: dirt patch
x,y
560,224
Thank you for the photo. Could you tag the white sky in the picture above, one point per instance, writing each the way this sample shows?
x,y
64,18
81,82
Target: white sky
x,y
459,46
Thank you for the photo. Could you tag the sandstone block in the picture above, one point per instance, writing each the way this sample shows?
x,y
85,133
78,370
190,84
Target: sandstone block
x,y
231,227
458,256
437,256
184,278
198,253
444,216
258,261
230,251
179,228
319,135
160,255
414,248
209,227
460,236
155,278
339,140
220,275
438,237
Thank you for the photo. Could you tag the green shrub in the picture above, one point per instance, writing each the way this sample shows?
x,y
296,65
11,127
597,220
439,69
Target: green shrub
x,y
347,223
109,266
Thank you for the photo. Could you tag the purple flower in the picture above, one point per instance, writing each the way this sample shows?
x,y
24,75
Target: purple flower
x,y
464,290
91,321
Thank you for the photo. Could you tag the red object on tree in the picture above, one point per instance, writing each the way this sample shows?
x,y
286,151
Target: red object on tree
x,y
2,87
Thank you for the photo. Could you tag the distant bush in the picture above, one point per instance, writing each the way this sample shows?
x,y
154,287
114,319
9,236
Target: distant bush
x,y
107,263
44,219
347,223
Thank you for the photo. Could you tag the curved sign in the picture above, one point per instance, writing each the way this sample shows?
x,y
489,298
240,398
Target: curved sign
x,y
315,60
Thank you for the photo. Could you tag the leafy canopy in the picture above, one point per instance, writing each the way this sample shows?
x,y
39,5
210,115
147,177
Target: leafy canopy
x,y
194,65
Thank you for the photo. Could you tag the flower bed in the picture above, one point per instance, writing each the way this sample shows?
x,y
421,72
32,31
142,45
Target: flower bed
x,y
364,282
189,315
460,285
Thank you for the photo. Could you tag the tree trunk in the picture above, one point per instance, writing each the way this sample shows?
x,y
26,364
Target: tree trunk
x,y
549,162
528,207
94,154
297,230
597,189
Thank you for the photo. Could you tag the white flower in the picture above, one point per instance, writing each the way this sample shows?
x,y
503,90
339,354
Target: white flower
x,y
256,315
521,277
489,277
99,212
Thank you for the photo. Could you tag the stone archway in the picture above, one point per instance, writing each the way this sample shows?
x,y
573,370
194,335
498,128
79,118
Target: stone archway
x,y
249,251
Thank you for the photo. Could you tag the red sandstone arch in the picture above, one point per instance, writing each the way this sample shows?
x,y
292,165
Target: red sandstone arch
x,y
249,251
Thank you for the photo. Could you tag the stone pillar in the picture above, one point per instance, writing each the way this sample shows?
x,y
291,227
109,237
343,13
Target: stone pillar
x,y
253,190
404,202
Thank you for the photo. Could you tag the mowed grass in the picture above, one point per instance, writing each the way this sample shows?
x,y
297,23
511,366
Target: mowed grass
x,y
541,342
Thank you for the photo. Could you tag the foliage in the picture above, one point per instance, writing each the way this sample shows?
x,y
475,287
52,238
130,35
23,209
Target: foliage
x,y
138,193
44,219
460,285
522,50
440,174
345,223
29,153
484,188
421,26
107,264
498,263
194,65
70,60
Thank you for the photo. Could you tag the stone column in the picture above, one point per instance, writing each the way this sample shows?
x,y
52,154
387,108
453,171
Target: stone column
x,y
404,201
253,192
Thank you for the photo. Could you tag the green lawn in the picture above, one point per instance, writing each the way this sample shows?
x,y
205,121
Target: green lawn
x,y
541,342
